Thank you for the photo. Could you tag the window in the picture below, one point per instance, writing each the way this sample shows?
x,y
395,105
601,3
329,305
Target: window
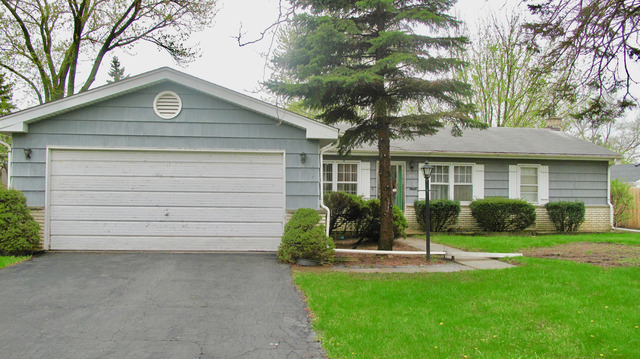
x,y
529,184
452,182
341,177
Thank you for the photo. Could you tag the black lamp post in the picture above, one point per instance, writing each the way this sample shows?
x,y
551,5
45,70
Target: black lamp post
x,y
426,171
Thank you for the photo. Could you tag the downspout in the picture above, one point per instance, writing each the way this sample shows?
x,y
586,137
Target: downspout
x,y
9,158
327,220
611,209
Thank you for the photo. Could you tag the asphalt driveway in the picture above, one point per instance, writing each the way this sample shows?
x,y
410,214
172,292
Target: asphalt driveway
x,y
147,305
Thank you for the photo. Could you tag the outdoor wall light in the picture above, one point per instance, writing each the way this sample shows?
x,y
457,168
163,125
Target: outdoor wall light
x,y
412,165
303,157
27,153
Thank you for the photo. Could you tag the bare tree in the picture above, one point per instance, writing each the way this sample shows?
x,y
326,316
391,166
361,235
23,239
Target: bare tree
x,y
42,42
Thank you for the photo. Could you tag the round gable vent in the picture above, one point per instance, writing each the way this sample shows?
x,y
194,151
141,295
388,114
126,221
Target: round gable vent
x,y
167,105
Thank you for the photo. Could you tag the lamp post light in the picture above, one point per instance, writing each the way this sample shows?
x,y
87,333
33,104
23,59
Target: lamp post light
x,y
426,171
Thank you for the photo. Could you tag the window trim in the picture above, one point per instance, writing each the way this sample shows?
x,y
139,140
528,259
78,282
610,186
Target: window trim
x,y
334,174
477,189
515,181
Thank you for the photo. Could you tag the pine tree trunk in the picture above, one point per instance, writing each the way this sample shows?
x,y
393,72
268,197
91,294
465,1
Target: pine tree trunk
x,y
386,190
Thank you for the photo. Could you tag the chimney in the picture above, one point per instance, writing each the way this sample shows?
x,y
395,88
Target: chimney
x,y
554,123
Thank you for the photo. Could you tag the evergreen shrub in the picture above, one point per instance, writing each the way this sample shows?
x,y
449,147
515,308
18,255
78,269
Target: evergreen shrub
x,y
566,216
305,238
444,213
19,232
503,214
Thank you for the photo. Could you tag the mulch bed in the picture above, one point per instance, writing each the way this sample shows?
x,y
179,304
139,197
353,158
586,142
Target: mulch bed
x,y
600,254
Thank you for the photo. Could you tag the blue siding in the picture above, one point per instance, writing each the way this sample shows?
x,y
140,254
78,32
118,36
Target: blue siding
x,y
568,180
205,122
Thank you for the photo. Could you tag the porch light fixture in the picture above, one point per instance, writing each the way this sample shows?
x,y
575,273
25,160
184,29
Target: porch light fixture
x,y
426,171
412,165
303,157
27,153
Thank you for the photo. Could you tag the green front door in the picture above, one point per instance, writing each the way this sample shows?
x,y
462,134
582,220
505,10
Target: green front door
x,y
397,171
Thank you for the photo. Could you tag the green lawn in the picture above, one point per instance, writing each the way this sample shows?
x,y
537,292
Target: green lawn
x,y
9,260
503,244
540,309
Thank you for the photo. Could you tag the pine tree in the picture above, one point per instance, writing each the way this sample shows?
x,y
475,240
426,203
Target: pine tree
x,y
116,71
365,63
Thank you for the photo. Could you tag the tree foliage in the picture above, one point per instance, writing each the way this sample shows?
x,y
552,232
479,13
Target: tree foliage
x,y
601,34
364,63
622,201
6,106
43,43
509,88
116,71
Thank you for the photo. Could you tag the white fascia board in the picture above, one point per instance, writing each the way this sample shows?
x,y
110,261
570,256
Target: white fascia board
x,y
486,155
17,122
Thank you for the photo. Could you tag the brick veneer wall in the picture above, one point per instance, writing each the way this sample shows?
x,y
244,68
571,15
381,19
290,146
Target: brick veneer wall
x,y
38,215
597,219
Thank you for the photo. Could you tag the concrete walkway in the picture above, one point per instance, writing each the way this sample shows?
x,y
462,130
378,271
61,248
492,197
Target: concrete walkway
x,y
473,260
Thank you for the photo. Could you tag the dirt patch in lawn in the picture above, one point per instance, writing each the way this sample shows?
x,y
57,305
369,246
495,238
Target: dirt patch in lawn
x,y
601,254
379,260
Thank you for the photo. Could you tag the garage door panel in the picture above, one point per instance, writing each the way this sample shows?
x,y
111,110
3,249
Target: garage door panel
x,y
145,199
119,243
164,156
165,200
162,169
166,214
163,184
165,229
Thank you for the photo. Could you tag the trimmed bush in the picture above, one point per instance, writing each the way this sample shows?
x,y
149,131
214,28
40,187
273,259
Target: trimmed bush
x,y
345,209
566,216
444,213
503,214
305,238
18,230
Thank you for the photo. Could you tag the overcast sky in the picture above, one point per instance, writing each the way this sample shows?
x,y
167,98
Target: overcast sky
x,y
242,68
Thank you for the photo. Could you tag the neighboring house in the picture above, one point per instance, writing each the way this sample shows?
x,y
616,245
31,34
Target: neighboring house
x,y
538,165
164,161
626,173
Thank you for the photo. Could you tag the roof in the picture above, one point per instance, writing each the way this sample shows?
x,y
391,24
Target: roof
x,y
498,142
626,173
19,121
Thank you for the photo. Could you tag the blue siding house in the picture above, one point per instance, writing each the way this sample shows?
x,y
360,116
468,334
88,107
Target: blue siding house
x,y
167,161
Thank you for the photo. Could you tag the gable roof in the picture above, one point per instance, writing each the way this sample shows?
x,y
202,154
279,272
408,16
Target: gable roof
x,y
626,173
498,142
19,121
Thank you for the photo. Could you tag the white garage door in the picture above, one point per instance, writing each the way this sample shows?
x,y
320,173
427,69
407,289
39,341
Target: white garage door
x,y
165,200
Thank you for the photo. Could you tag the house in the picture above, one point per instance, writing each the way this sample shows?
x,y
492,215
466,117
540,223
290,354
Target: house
x,y
167,161
627,173
164,161
538,165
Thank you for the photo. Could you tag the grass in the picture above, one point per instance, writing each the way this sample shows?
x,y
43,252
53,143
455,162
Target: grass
x,y
6,261
505,244
540,309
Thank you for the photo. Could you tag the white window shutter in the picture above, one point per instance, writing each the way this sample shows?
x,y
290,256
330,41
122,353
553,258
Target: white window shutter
x,y
421,184
364,180
543,185
514,187
478,181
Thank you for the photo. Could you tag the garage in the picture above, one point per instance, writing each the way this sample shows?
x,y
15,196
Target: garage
x,y
165,200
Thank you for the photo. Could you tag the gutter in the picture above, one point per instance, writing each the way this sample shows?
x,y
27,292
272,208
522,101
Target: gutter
x,y
328,217
9,158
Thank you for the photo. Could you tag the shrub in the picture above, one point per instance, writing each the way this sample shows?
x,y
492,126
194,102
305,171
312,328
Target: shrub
x,y
566,216
304,237
368,225
503,214
622,201
444,213
345,209
18,230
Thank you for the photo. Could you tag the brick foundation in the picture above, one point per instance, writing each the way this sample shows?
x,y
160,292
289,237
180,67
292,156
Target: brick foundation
x,y
597,219
38,215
